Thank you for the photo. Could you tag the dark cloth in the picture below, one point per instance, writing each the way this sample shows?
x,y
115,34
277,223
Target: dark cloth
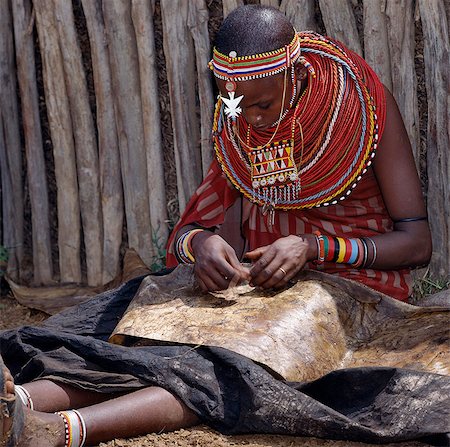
x,y
227,391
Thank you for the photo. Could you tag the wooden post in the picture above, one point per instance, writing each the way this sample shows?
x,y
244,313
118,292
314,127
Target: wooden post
x,y
400,27
376,46
37,183
300,13
340,23
273,3
124,58
142,15
85,141
12,145
60,123
8,233
198,25
229,5
437,77
108,146
180,63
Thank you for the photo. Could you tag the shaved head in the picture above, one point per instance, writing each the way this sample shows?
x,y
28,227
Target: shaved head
x,y
253,29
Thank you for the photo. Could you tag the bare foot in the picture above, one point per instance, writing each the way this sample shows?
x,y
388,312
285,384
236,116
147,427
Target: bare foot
x,y
40,429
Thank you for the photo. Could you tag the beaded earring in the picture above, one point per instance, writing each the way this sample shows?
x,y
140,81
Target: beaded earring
x,y
294,86
308,66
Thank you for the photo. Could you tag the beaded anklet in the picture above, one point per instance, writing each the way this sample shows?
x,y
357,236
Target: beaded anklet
x,y
74,427
353,251
24,396
183,248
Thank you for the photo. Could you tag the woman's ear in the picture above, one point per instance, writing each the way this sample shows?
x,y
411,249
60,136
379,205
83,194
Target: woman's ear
x,y
300,71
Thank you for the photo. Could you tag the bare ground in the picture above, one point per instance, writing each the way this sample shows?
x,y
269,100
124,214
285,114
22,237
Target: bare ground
x,y
13,315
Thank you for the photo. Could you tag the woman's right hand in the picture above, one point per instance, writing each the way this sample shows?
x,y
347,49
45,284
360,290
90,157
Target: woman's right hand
x,y
216,264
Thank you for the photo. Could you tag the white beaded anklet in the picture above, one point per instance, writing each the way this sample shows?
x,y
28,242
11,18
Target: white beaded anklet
x,y
24,396
74,427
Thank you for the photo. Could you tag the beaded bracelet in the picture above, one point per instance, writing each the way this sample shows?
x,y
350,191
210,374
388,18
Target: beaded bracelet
x,y
320,248
24,396
353,251
183,248
74,428
374,254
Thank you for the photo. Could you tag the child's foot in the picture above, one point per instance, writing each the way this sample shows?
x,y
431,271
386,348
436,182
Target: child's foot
x,y
22,427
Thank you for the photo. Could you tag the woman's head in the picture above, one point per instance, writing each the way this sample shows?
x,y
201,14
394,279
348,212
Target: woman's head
x,y
255,49
253,29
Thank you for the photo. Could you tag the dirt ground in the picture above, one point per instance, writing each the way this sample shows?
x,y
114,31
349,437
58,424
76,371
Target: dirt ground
x,y
13,315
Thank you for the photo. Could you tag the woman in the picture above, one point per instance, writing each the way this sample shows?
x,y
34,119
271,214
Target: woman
x,y
313,166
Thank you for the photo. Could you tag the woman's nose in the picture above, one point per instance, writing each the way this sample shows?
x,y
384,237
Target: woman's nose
x,y
253,118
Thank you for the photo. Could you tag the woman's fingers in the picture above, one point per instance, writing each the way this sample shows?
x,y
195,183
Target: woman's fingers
x,y
256,254
274,275
278,262
217,265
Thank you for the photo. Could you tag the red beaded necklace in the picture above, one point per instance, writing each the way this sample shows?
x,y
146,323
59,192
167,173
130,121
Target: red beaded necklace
x,y
320,149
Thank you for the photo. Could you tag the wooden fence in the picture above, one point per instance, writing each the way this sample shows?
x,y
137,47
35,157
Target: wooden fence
x,y
85,86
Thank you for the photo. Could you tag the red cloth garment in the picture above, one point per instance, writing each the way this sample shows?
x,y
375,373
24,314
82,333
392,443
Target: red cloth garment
x,y
361,214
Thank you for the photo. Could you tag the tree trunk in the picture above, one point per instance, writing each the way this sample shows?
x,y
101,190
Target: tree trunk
x,y
198,25
437,77
60,124
128,112
340,23
108,148
300,13
11,136
85,141
400,25
180,63
37,183
376,45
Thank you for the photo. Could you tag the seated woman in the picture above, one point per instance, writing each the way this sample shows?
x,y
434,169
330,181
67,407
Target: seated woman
x,y
313,170
313,167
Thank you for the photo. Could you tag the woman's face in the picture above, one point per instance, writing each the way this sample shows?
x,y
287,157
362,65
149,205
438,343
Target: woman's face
x,y
262,103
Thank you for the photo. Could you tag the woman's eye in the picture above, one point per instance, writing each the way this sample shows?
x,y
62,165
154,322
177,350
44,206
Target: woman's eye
x,y
264,105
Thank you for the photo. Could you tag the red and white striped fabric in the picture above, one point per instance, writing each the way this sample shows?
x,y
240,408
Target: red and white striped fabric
x,y
362,214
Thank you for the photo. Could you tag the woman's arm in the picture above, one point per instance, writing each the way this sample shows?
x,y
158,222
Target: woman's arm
x,y
217,251
410,242
409,245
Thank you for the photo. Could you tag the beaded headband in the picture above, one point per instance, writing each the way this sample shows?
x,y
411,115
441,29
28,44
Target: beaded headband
x,y
245,68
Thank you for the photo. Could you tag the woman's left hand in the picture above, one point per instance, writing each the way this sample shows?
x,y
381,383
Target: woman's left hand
x,y
275,264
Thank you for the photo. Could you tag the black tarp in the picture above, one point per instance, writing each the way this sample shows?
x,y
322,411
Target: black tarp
x,y
228,391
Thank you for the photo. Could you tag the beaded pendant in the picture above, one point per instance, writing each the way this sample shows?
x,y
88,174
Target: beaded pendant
x,y
274,174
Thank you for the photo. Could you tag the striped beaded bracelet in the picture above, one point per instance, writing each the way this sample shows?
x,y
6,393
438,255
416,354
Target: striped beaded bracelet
x,y
183,248
74,427
24,396
352,251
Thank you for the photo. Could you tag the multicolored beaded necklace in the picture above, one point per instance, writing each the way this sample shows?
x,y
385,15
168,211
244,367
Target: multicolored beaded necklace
x,y
321,147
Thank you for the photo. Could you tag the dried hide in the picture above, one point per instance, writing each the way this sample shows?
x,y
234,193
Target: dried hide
x,y
54,299
319,324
